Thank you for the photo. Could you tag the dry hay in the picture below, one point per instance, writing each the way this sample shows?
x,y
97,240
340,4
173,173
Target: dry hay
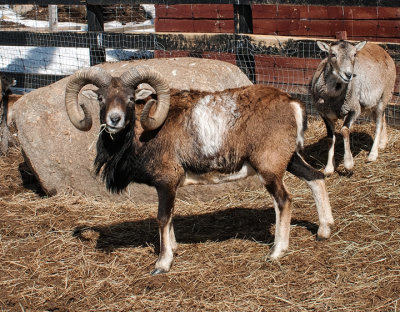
x,y
74,253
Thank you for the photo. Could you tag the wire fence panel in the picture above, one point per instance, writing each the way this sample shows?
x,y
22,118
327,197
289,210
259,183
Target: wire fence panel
x,y
37,52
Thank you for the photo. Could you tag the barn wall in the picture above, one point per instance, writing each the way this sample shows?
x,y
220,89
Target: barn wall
x,y
195,18
308,22
200,18
360,23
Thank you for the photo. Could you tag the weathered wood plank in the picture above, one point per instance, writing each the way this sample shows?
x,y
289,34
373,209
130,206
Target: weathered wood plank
x,y
194,25
196,11
327,28
226,57
324,12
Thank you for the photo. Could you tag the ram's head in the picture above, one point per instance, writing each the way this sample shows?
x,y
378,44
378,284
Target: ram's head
x,y
117,97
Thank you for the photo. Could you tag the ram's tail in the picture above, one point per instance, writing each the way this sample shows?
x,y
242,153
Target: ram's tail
x,y
301,121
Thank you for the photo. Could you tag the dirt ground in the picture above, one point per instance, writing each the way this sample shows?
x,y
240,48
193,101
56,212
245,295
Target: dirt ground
x,y
75,253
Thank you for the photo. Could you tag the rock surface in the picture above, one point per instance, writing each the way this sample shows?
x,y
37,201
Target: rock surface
x,y
62,157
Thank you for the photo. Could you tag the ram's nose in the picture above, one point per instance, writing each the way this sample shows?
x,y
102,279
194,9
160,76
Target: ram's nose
x,y
115,118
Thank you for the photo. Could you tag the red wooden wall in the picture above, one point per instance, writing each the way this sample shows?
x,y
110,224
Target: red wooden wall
x,y
200,18
307,21
370,23
360,23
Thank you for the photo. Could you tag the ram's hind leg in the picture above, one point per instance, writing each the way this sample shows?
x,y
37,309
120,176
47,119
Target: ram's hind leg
x,y
384,138
315,180
282,206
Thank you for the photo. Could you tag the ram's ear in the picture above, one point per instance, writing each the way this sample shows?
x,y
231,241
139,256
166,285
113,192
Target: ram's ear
x,y
90,94
142,94
323,46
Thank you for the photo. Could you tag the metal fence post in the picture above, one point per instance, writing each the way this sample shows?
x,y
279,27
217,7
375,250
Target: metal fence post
x,y
243,20
95,21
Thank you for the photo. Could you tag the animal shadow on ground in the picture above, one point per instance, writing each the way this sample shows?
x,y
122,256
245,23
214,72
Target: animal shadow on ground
x,y
316,154
238,223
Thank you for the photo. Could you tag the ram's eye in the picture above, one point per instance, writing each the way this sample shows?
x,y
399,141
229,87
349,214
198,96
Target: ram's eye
x,y
100,98
131,99
333,55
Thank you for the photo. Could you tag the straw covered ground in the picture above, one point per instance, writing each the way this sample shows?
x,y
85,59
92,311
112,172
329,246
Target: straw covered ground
x,y
75,253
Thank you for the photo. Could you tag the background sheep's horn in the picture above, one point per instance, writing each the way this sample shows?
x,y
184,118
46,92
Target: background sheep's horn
x,y
79,114
140,74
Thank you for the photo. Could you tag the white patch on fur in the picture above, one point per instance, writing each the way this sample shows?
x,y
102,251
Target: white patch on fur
x,y
212,117
191,178
298,114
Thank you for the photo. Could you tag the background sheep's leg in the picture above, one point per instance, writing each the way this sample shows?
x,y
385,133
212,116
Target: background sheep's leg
x,y
282,205
345,131
384,138
166,199
330,130
315,180
380,123
172,239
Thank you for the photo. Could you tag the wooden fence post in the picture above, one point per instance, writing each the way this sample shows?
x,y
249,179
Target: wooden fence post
x,y
53,18
95,21
243,20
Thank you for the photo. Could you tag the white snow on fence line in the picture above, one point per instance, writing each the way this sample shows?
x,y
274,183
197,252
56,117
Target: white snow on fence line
x,y
8,15
43,60
59,60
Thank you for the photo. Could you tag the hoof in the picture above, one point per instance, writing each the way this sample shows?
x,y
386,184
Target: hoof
x,y
277,253
157,272
349,165
328,173
329,170
324,232
372,157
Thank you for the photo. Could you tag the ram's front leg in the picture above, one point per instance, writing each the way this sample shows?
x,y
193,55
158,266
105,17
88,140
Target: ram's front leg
x,y
166,199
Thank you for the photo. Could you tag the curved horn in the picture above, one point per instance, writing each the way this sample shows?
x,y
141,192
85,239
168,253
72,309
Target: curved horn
x,y
92,75
140,74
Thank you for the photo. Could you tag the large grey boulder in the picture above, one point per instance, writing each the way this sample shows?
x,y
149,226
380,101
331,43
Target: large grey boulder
x,y
62,157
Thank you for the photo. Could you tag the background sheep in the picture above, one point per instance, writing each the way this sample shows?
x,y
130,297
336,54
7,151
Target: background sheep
x,y
351,80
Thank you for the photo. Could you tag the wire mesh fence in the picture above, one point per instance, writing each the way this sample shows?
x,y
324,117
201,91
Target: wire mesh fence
x,y
37,53
117,17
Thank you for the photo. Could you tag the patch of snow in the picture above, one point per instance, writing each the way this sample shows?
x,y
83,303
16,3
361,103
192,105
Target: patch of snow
x,y
43,60
150,10
59,60
8,15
